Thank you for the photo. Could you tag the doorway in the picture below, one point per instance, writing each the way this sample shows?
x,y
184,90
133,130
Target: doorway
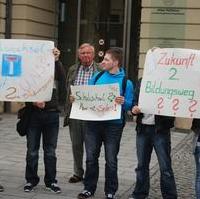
x,y
103,23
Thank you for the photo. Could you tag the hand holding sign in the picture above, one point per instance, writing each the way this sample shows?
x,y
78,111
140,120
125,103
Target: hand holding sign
x,y
56,53
136,110
119,100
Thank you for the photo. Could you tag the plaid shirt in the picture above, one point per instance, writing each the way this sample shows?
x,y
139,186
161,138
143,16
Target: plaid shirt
x,y
84,74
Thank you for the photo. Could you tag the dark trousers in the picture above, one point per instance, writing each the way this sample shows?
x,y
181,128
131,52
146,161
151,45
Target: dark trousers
x,y
110,135
45,123
146,140
77,129
197,180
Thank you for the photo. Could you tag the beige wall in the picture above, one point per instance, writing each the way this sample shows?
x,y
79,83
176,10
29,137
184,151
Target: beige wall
x,y
34,19
2,30
177,26
169,23
2,18
31,19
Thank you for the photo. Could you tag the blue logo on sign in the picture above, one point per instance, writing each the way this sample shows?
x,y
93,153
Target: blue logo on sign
x,y
11,65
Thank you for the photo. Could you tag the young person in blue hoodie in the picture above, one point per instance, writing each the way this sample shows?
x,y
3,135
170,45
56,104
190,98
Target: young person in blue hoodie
x,y
108,132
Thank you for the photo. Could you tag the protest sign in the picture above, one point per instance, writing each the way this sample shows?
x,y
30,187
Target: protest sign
x,y
95,102
27,70
171,83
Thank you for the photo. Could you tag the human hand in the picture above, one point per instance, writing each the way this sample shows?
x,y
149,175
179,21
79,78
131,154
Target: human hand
x,y
56,53
71,98
119,100
39,104
136,110
154,48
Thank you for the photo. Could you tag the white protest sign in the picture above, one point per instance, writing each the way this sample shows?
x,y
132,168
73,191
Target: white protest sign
x,y
95,102
171,83
26,70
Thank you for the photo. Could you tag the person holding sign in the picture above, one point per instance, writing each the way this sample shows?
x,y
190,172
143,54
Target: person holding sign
x,y
153,132
44,121
79,74
196,129
108,132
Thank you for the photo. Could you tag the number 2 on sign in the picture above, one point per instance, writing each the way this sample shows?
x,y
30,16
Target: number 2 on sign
x,y
173,72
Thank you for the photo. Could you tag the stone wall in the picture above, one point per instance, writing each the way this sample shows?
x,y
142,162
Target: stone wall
x,y
31,19
169,23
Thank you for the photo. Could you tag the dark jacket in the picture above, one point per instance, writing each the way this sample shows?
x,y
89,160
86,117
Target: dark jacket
x,y
161,122
196,129
196,126
70,79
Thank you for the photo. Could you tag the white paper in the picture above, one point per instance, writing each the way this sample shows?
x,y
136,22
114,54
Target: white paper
x,y
95,102
26,70
171,83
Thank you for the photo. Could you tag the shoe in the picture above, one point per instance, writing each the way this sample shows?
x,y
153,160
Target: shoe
x,y
110,196
54,188
1,188
28,187
75,179
84,194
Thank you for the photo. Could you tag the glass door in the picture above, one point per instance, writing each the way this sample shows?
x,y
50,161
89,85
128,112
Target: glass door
x,y
103,23
68,30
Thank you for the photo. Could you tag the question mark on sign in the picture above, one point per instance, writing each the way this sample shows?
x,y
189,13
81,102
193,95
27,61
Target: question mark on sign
x,y
160,104
175,107
192,107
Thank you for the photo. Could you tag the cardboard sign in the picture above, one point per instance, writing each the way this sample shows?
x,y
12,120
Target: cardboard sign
x,y
171,83
95,102
26,70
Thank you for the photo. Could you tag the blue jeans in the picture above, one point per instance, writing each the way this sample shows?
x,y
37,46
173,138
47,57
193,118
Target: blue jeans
x,y
146,140
197,181
45,123
110,135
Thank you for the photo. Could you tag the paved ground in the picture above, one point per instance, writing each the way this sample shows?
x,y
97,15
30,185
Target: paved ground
x,y
12,164
184,171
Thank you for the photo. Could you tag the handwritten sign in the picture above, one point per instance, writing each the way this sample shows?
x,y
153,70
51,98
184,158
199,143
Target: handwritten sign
x,y
26,70
95,102
171,83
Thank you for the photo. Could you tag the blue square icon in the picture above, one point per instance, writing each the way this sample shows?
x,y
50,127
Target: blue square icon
x,y
11,65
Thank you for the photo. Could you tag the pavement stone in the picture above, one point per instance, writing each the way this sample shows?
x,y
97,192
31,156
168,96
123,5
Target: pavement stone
x,y
12,165
184,170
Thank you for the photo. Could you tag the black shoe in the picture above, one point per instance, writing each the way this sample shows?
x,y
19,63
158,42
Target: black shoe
x,y
28,187
75,179
132,197
54,188
110,196
1,188
84,194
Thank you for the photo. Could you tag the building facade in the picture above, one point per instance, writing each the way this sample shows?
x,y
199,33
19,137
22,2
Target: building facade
x,y
27,19
134,25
